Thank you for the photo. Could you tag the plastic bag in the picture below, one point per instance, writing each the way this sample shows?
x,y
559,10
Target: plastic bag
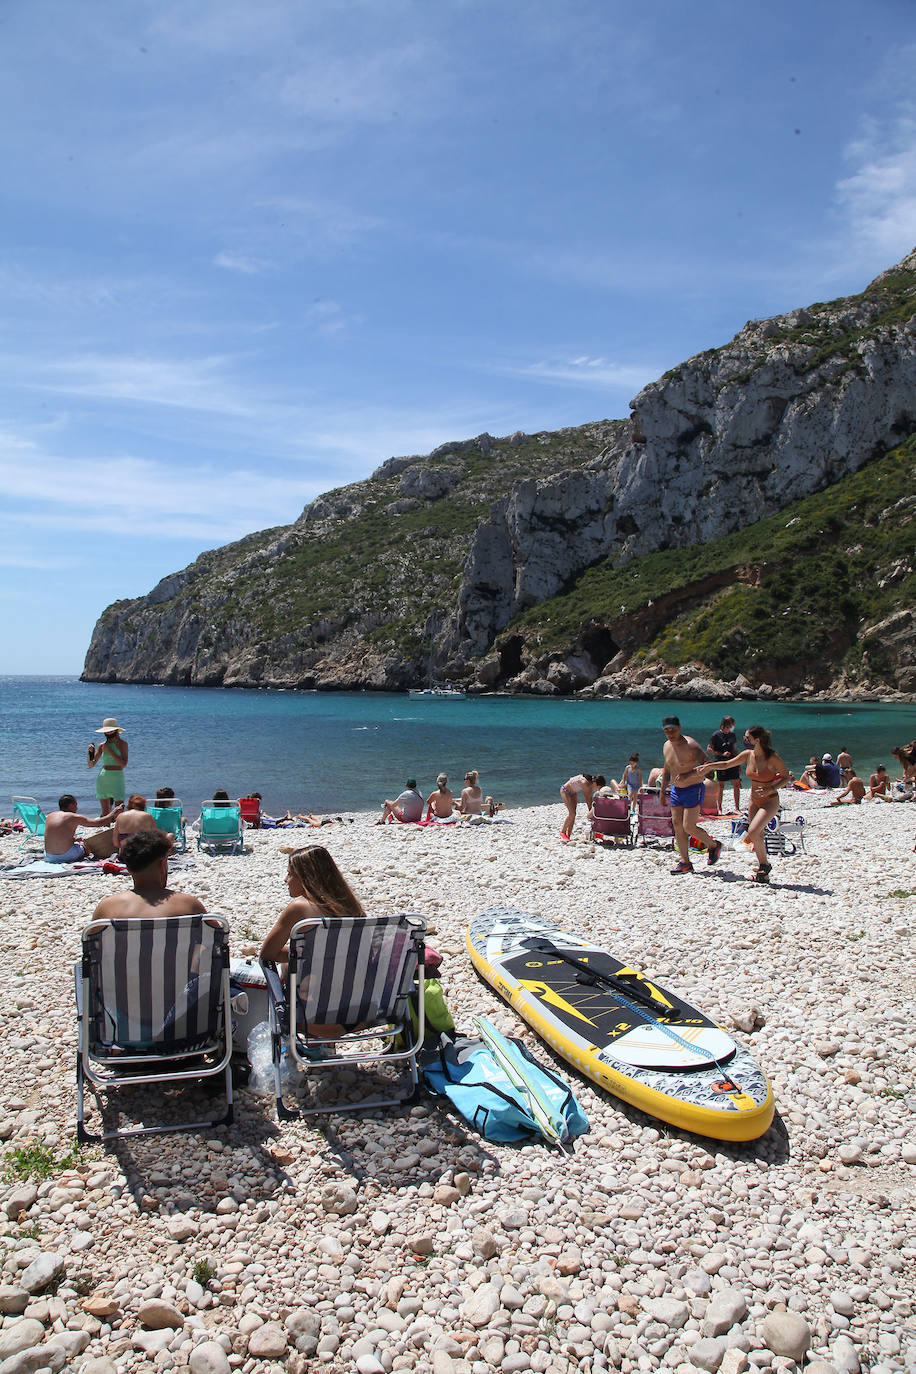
x,y
260,1057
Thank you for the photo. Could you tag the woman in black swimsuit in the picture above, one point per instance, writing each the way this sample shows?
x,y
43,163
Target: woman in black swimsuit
x,y
766,772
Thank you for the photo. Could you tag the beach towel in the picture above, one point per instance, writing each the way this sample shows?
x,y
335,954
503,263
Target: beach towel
x,y
39,869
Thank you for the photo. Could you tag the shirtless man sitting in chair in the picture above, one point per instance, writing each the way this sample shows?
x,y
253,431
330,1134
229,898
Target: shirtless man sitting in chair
x,y
146,855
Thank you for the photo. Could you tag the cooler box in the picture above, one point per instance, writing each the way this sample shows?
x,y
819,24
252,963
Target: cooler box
x,y
245,975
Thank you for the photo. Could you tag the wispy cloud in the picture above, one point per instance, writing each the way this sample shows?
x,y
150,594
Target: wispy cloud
x,y
55,491
316,220
189,384
601,374
241,262
151,500
878,199
26,558
359,88
330,319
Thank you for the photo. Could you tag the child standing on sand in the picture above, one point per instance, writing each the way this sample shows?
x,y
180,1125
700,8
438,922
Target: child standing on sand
x,y
631,781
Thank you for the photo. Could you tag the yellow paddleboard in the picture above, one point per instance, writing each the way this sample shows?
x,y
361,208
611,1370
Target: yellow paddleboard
x,y
638,1040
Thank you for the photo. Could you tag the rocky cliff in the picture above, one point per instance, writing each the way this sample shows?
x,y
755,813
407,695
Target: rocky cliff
x,y
455,548
788,407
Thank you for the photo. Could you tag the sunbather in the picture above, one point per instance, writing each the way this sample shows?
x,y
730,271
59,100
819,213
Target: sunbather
x,y
853,792
146,855
441,803
132,820
61,844
471,801
808,780
408,806
317,888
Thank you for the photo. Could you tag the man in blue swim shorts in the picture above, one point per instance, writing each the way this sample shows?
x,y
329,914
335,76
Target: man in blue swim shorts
x,y
682,757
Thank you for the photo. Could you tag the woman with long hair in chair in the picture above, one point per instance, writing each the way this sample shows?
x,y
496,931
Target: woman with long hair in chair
x,y
317,889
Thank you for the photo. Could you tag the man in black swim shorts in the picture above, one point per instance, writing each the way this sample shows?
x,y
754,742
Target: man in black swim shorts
x,y
723,744
682,755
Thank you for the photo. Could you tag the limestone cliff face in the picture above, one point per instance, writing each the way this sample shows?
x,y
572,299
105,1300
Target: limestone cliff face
x,y
443,550
353,594
791,405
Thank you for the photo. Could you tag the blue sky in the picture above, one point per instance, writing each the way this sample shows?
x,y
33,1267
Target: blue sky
x,y
251,250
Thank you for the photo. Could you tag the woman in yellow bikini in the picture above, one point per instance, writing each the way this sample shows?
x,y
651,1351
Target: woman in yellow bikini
x,y
766,772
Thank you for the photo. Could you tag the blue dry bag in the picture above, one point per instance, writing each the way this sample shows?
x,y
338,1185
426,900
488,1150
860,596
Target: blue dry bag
x,y
502,1091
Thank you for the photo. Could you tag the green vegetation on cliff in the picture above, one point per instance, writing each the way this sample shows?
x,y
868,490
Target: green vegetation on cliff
x,y
793,589
362,570
398,567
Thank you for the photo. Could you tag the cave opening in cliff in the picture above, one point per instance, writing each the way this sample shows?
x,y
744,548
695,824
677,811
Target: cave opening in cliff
x,y
598,643
510,656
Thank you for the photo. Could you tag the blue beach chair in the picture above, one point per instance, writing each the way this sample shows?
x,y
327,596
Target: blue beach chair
x,y
27,810
221,827
171,819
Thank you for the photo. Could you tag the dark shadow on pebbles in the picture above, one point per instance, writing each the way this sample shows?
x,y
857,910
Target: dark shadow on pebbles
x,y
181,1170
386,1149
772,1146
775,884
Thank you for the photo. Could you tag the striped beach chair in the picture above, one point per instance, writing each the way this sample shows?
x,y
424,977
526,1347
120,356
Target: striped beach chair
x,y
777,838
357,974
152,1000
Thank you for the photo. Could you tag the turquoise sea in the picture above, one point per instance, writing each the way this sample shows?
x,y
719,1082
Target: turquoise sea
x,y
330,752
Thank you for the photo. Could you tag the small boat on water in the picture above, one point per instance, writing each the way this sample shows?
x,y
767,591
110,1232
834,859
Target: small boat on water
x,y
442,693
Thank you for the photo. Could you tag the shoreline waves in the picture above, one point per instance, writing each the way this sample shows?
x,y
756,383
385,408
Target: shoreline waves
x,y
404,1241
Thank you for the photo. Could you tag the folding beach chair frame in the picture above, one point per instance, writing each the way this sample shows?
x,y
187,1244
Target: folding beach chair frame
x,y
778,841
393,1024
624,832
112,1070
34,823
652,835
235,843
250,811
174,804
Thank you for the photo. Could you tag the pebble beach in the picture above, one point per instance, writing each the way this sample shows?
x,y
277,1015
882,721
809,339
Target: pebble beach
x,y
401,1240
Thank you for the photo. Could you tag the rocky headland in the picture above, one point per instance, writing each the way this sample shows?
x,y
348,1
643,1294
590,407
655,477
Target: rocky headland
x,y
569,561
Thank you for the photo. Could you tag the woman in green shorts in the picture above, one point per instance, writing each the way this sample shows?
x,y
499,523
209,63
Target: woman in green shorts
x,y
112,754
